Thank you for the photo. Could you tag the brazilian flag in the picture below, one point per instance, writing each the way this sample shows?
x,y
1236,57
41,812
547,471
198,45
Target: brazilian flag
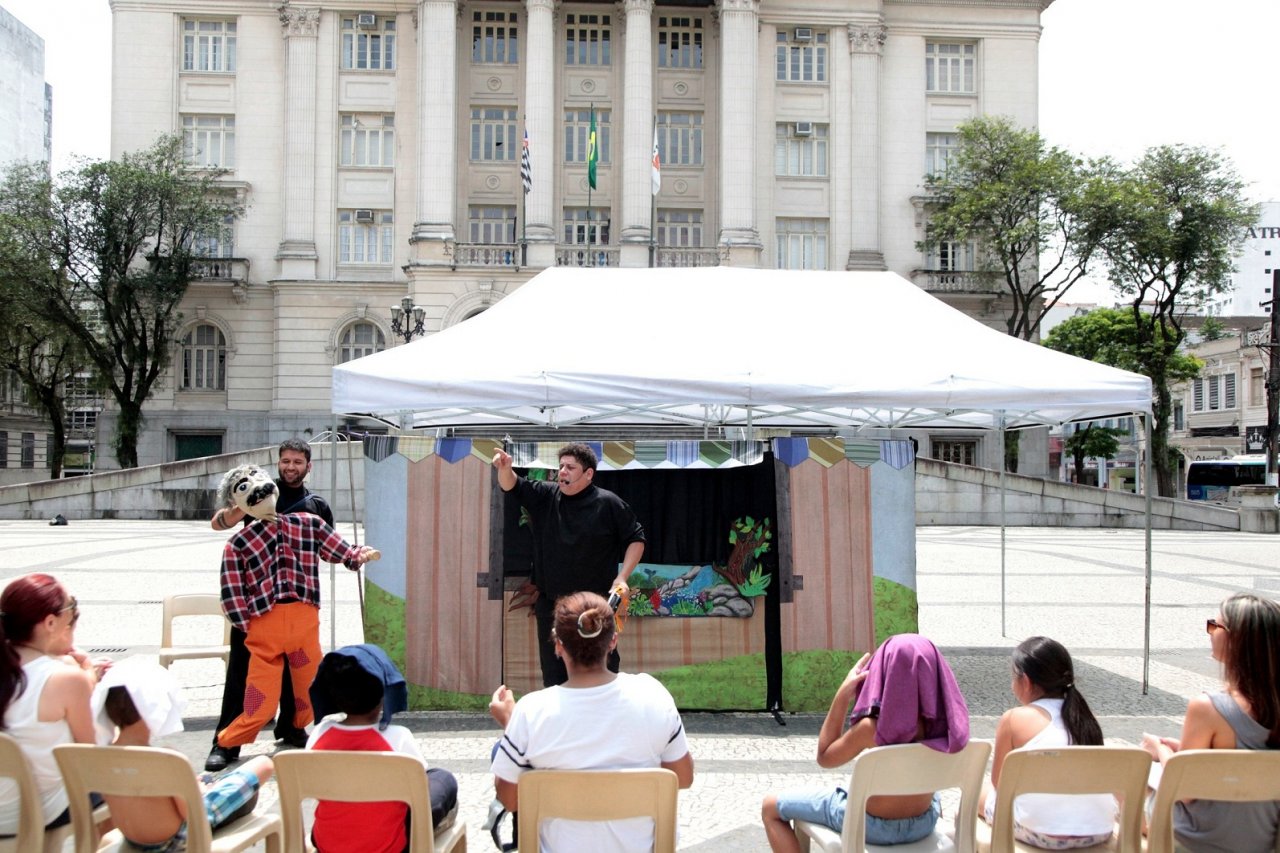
x,y
593,152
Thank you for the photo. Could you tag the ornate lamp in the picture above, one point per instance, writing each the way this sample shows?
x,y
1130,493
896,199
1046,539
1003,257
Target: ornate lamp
x,y
407,318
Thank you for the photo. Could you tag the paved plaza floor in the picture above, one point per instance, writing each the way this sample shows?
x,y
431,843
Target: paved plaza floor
x,y
1082,587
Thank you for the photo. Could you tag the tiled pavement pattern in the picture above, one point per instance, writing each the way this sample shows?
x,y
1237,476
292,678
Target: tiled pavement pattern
x,y
1083,587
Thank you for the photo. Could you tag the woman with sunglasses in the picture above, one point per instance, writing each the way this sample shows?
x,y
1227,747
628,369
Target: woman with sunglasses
x,y
45,686
1245,714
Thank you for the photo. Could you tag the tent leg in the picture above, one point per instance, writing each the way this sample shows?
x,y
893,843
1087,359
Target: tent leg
x,y
1146,622
1003,631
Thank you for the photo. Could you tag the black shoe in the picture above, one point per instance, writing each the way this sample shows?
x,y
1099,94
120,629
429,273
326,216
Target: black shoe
x,y
296,738
220,757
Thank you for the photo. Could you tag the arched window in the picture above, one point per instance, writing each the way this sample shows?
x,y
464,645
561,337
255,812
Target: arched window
x,y
359,340
204,359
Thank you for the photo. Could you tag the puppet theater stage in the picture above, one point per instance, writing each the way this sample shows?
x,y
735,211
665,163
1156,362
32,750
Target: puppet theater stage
x,y
770,565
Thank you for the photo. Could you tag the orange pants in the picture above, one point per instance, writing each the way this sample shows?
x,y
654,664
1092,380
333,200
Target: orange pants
x,y
289,631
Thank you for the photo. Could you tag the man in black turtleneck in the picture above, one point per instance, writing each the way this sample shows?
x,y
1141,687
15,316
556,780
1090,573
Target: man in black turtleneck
x,y
294,464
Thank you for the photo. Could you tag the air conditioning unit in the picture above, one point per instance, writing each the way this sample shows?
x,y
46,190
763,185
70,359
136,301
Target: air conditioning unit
x,y
365,216
804,128
804,34
366,20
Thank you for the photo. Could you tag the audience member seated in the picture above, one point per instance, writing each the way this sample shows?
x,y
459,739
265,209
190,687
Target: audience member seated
x,y
1245,714
1052,713
45,685
904,693
138,700
597,720
363,684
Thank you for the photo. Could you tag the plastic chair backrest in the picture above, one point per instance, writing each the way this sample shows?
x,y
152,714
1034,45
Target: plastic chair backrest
x,y
599,795
358,777
913,768
1118,770
1240,775
192,604
13,763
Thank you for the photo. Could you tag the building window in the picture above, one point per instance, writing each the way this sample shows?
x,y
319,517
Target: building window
x,y
958,451
952,256
938,150
587,40
679,42
577,130
209,142
368,140
204,359
800,148
208,45
365,236
1179,417
802,244
1257,387
493,134
1197,395
680,139
491,224
28,459
217,242
1214,397
360,339
368,43
494,38
802,56
4,449
1228,390
83,420
679,229
949,67
584,226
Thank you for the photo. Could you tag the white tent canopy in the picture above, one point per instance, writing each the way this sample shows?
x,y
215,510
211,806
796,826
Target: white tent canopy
x,y
731,347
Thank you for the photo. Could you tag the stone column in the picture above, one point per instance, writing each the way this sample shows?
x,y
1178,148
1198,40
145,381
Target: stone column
x,y
540,122
739,237
433,232
866,45
637,146
297,251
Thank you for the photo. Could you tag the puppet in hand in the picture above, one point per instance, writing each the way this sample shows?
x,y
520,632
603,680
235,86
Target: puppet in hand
x,y
271,591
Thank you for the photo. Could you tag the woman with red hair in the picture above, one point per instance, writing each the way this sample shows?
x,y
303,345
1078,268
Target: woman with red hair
x,y
45,685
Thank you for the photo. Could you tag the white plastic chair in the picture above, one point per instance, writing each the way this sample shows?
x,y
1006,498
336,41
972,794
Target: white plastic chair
x,y
32,836
598,795
192,604
1118,770
360,777
147,771
1238,775
903,769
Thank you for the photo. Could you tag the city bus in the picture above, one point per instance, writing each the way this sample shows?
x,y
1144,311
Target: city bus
x,y
1212,479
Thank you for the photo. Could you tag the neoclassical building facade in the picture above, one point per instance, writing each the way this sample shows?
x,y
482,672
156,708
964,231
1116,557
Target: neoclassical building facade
x,y
379,148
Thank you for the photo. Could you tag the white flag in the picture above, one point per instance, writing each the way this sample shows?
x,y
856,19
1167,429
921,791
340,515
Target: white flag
x,y
657,163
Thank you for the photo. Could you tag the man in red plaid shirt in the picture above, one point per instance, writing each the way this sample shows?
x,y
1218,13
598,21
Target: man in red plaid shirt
x,y
271,591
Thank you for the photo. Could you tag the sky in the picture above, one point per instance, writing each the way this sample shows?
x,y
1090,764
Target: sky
x,y
1116,76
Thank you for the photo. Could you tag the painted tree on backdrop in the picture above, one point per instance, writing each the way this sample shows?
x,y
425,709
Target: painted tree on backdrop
x,y
1169,228
106,252
1112,336
1018,200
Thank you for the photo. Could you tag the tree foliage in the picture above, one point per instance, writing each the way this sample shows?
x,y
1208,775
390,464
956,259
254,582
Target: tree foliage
x,y
1019,199
1169,228
1092,441
107,251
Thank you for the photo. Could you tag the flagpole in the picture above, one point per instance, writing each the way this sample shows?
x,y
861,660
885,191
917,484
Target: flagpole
x,y
591,255
653,207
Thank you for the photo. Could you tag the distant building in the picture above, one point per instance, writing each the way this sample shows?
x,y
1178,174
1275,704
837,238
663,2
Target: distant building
x,y
380,147
1224,412
1253,280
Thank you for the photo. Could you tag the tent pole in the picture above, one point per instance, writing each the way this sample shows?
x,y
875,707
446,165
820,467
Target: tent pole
x,y
1003,632
333,569
1146,620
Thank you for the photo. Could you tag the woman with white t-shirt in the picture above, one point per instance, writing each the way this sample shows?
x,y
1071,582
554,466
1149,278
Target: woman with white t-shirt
x,y
597,720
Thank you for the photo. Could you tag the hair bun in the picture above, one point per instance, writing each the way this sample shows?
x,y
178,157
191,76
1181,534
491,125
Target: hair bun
x,y
590,623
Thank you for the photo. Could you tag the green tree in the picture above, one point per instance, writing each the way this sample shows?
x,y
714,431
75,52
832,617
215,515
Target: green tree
x,y
108,251
1092,442
1019,200
1169,228
1122,339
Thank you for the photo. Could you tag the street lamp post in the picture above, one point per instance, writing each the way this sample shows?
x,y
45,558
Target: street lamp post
x,y
406,319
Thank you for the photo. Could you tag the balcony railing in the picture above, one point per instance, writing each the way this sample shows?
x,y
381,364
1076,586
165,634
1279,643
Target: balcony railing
x,y
487,255
229,270
957,281
586,256
666,257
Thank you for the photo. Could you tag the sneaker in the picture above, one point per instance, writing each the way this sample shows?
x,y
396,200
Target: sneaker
x,y
220,757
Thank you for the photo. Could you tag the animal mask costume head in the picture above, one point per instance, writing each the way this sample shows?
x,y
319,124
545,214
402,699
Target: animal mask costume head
x,y
251,489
